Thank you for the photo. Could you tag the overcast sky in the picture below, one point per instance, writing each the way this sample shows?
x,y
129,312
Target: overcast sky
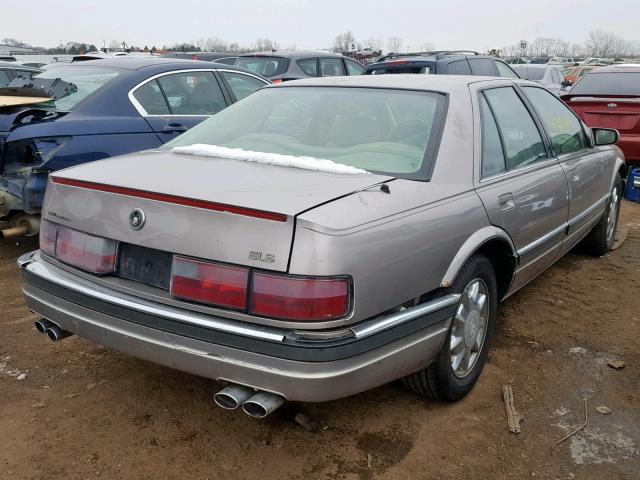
x,y
447,24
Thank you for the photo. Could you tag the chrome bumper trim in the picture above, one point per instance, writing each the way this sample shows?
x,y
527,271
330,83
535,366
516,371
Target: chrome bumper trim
x,y
377,325
32,263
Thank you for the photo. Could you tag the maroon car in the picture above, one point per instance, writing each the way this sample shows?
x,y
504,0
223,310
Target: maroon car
x,y
609,97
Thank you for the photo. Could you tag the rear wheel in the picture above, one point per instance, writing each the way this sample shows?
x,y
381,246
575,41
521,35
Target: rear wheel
x,y
600,240
457,367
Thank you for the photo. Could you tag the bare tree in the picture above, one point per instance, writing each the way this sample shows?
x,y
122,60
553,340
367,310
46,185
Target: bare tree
x,y
215,44
394,44
427,47
114,45
342,42
374,43
600,43
265,44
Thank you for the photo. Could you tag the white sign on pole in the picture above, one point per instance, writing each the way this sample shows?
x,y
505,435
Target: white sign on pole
x,y
523,44
353,46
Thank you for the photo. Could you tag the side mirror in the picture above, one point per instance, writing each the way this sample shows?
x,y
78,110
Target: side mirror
x,y
605,136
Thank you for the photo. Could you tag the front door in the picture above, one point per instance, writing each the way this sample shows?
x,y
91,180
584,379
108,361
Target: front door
x,y
586,168
523,188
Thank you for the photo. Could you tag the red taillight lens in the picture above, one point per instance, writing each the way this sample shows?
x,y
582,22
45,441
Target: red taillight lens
x,y
212,283
48,234
276,80
94,254
304,299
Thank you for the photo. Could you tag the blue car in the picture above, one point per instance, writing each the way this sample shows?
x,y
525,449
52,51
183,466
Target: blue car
x,y
101,108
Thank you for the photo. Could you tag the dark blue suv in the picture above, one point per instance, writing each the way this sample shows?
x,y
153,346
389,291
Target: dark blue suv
x,y
442,62
102,108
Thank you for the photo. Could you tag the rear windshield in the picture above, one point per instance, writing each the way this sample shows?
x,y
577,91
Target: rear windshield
x,y
86,79
265,66
424,69
529,73
378,130
614,83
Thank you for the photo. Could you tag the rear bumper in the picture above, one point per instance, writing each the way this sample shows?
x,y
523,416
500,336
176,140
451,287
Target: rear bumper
x,y
275,360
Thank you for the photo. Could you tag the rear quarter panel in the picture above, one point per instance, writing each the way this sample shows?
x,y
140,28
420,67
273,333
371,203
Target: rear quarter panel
x,y
398,246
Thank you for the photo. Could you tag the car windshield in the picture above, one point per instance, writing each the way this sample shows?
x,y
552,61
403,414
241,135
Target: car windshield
x,y
378,130
613,83
529,73
265,66
86,80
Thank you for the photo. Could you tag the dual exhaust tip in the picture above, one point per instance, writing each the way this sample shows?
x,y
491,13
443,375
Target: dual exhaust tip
x,y
53,331
255,404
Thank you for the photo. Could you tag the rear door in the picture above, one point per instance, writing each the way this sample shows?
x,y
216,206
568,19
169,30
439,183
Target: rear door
x,y
173,102
520,183
587,169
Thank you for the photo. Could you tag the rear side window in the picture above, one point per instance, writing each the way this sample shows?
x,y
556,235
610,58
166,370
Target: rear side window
x,y
353,68
4,78
150,98
192,93
483,66
242,85
309,66
331,67
505,71
265,66
565,130
522,141
460,67
613,83
492,154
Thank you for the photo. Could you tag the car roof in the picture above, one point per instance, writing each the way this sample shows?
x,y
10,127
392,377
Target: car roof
x,y
442,83
616,69
138,62
293,54
17,66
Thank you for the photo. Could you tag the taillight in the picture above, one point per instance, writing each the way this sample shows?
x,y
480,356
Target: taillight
x,y
207,282
276,80
48,234
94,254
296,298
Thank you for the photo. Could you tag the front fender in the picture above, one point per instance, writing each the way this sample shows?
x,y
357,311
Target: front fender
x,y
471,245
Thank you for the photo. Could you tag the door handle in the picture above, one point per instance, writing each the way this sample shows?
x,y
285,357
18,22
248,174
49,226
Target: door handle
x,y
174,127
506,202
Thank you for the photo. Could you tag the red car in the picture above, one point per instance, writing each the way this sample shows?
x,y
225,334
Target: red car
x,y
609,97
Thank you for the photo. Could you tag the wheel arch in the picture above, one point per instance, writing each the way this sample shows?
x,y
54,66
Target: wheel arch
x,y
497,246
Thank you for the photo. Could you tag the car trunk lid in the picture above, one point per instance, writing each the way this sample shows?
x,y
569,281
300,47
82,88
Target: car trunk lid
x,y
223,210
619,112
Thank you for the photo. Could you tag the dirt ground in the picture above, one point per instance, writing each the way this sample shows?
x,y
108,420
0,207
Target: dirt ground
x,y
75,410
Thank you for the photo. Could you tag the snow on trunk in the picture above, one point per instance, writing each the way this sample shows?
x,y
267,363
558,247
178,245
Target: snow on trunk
x,y
306,163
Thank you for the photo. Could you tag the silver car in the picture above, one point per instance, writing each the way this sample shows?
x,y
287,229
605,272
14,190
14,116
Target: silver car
x,y
325,236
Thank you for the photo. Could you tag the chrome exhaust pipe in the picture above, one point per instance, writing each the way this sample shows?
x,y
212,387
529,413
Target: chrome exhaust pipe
x,y
55,333
233,396
42,325
12,232
262,404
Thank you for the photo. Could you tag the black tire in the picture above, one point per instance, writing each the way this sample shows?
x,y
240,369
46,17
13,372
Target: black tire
x,y
438,381
598,242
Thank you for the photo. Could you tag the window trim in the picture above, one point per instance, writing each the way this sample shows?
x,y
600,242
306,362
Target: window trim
x,y
143,113
536,121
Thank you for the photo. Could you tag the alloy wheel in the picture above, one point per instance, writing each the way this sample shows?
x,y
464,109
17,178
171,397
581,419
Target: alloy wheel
x,y
469,327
